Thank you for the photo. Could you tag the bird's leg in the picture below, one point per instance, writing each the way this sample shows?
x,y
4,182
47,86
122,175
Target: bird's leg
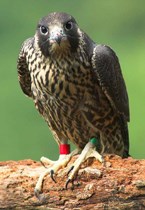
x,y
88,151
64,149
64,158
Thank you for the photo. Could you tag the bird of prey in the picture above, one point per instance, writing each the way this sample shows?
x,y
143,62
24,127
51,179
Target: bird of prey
x,y
78,88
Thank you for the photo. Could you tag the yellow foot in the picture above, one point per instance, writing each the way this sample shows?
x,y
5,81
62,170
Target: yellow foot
x,y
88,151
52,169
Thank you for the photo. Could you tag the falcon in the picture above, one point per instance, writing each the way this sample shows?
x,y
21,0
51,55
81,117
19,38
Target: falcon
x,y
78,88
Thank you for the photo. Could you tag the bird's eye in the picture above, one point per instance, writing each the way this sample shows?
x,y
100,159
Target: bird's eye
x,y
43,30
68,25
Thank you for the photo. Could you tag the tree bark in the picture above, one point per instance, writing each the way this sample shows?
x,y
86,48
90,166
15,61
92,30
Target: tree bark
x,y
118,184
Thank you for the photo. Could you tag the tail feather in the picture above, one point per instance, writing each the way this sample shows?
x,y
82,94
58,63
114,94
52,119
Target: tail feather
x,y
125,136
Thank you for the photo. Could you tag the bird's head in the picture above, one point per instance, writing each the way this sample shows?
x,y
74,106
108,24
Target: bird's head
x,y
57,34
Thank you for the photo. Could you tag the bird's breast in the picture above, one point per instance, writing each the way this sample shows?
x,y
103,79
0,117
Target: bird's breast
x,y
65,80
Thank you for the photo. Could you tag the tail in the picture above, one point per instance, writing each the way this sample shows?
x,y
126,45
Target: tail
x,y
125,136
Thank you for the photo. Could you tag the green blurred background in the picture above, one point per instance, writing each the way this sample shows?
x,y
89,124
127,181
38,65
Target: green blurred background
x,y
120,24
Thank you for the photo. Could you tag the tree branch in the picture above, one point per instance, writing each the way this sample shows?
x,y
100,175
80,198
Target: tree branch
x,y
119,184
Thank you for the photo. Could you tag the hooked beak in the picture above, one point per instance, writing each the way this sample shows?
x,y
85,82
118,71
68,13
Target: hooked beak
x,y
56,35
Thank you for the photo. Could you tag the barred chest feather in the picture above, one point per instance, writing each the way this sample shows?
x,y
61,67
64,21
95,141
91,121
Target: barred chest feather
x,y
58,79
68,97
59,87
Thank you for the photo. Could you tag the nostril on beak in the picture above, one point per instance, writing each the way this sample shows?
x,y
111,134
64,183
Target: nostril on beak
x,y
56,35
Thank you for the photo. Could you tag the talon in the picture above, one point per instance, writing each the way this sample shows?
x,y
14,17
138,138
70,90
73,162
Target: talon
x,y
43,164
40,197
70,170
67,183
52,169
52,175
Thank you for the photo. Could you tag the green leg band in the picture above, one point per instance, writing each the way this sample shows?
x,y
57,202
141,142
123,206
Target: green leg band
x,y
94,141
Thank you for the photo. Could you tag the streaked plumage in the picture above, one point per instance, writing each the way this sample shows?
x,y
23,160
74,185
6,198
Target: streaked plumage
x,y
76,85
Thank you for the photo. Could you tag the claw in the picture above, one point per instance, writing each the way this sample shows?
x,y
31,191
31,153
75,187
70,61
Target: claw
x,y
43,164
70,170
40,196
89,151
67,183
53,167
52,175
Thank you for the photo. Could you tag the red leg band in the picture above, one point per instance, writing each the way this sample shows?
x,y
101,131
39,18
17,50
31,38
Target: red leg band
x,y
64,149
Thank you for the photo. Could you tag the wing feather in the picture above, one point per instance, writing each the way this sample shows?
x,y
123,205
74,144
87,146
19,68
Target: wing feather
x,y
107,69
22,66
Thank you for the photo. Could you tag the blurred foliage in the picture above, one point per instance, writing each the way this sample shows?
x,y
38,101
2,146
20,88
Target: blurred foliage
x,y
120,24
